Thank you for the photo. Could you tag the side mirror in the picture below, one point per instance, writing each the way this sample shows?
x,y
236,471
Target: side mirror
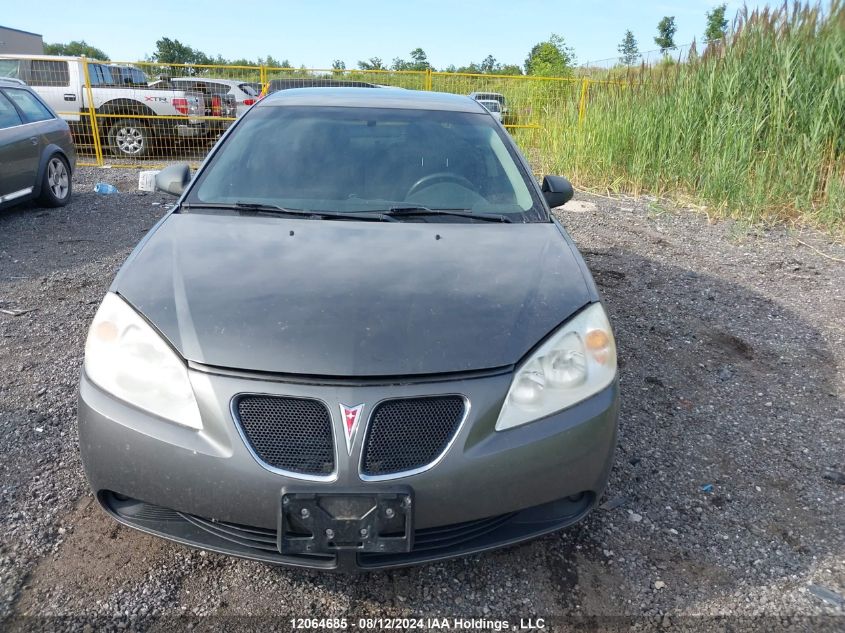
x,y
173,179
557,190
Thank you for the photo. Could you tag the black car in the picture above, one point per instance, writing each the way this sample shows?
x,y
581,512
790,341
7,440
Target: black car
x,y
37,153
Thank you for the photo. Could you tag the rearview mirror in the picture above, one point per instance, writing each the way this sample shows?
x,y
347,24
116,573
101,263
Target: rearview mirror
x,y
173,179
557,190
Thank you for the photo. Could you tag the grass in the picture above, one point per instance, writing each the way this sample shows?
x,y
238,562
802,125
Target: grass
x,y
754,129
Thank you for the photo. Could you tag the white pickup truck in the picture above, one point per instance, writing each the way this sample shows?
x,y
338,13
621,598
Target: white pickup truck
x,y
122,110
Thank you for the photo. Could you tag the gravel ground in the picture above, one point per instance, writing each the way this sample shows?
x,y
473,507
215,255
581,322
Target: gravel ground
x,y
718,515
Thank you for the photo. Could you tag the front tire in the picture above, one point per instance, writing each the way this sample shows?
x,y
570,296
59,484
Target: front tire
x,y
56,185
129,138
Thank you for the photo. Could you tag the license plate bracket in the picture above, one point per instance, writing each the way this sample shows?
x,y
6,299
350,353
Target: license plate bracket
x,y
320,523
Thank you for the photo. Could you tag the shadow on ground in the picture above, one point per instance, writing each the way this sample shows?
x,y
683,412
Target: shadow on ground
x,y
729,410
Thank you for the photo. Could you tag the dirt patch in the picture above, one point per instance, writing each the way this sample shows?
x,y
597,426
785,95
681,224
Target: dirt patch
x,y
97,558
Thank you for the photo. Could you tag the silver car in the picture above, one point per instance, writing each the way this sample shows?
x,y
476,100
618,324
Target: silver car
x,y
493,107
241,93
359,340
37,153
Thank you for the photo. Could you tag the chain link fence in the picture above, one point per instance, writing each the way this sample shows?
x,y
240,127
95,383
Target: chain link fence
x,y
144,113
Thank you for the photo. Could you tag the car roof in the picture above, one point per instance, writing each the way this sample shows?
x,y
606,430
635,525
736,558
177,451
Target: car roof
x,y
368,98
320,82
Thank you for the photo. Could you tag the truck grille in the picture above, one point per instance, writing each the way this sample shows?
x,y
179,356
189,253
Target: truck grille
x,y
290,434
410,433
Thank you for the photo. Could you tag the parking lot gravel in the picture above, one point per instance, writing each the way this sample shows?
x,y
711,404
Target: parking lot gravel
x,y
724,509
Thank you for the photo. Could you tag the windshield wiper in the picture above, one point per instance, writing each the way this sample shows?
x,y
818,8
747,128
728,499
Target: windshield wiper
x,y
418,210
272,209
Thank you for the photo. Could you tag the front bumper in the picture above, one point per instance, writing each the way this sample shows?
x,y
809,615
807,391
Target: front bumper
x,y
206,489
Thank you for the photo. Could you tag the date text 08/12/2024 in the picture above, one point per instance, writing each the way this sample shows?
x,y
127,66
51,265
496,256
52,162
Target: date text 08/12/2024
x,y
423,624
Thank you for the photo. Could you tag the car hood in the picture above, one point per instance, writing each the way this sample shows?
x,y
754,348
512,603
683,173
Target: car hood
x,y
356,299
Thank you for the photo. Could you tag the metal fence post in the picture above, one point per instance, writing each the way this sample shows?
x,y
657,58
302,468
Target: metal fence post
x,y
262,76
92,114
428,78
582,105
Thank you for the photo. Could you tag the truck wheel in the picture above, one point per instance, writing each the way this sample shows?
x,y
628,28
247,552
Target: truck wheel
x,y
56,184
130,139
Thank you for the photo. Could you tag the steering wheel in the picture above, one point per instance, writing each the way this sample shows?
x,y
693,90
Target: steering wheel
x,y
438,177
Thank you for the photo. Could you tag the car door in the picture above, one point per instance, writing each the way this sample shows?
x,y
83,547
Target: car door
x,y
51,79
19,152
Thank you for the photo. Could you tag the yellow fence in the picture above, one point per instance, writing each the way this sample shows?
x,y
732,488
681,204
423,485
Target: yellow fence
x,y
135,113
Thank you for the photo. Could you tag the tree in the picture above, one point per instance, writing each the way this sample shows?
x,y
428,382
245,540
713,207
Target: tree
x,y
338,67
175,52
75,49
717,24
374,63
420,59
666,33
552,58
272,62
489,65
628,51
242,61
509,69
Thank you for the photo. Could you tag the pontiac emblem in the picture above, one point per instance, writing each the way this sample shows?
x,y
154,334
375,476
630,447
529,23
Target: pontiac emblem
x,y
351,416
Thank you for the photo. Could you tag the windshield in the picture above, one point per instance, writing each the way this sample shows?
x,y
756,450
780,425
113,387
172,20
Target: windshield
x,y
362,159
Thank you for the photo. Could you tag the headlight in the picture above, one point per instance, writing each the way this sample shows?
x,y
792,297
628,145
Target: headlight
x,y
125,356
576,362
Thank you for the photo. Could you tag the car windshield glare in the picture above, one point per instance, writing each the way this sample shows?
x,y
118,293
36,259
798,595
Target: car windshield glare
x,y
364,159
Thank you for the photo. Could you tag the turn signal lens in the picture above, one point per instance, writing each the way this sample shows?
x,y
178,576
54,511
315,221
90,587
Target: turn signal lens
x,y
597,342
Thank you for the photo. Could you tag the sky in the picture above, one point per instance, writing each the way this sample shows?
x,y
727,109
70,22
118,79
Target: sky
x,y
314,33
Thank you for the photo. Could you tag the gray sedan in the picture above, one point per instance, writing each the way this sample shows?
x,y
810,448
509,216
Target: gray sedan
x,y
359,340
37,154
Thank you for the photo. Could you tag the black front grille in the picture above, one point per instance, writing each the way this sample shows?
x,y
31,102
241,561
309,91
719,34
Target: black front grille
x,y
410,433
444,537
251,537
443,541
292,434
